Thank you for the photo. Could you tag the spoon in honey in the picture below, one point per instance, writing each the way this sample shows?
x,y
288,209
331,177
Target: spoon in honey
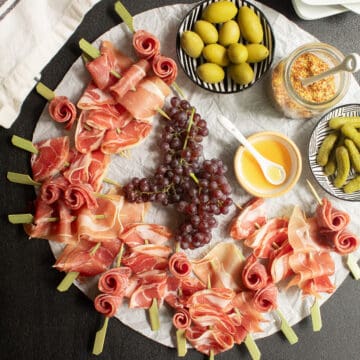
x,y
351,63
274,173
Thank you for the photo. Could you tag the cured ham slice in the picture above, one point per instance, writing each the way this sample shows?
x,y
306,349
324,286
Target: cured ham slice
x,y
165,68
76,196
330,218
130,79
179,265
343,241
139,234
251,317
87,138
111,59
318,285
149,96
51,157
108,117
181,319
97,169
265,299
309,266
152,285
205,340
107,304
104,229
220,298
115,281
87,257
279,263
302,233
62,110
94,98
254,274
223,265
240,332
117,140
52,189
268,237
250,218
145,44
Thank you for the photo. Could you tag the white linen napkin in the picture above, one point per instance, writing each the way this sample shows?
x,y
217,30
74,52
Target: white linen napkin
x,y
31,33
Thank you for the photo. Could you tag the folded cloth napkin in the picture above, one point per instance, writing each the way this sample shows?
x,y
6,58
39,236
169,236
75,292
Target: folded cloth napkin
x,y
31,33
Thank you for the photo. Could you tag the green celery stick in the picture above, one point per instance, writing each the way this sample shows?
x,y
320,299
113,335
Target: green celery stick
x,y
316,316
252,348
181,342
125,15
20,218
44,91
24,144
286,329
353,266
67,281
154,315
23,179
211,355
100,338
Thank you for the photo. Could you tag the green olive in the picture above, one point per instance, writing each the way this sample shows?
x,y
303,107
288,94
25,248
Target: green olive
x,y
215,53
242,74
210,73
229,33
206,31
256,52
191,43
250,25
237,53
219,12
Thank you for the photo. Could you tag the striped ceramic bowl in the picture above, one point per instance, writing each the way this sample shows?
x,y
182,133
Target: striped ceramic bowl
x,y
318,135
227,86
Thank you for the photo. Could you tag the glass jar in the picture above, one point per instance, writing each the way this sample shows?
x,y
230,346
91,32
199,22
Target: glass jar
x,y
298,101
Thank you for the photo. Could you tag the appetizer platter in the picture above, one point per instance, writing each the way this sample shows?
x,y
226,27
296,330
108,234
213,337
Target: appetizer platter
x,y
124,216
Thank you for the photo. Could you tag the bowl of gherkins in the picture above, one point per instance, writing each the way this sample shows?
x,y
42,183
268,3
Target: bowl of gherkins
x,y
334,152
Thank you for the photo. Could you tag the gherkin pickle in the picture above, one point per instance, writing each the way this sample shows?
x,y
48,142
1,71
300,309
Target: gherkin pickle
x,y
325,148
343,166
338,122
354,154
350,131
353,185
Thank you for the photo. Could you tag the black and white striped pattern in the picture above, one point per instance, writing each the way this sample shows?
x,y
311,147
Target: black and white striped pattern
x,y
227,86
319,133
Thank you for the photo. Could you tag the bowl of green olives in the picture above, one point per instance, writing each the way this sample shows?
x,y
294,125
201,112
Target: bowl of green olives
x,y
225,46
334,152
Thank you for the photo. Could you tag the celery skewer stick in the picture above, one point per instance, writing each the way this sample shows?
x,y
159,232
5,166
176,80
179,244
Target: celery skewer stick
x,y
44,91
121,10
100,338
286,329
252,348
23,179
353,266
316,316
24,144
67,281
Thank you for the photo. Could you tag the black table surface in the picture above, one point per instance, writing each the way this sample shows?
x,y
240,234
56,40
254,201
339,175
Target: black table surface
x,y
38,322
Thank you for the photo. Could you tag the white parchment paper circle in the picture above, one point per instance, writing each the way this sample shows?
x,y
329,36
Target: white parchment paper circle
x,y
252,111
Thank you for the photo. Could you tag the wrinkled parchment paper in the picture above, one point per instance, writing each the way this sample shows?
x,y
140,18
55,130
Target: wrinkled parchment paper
x,y
252,111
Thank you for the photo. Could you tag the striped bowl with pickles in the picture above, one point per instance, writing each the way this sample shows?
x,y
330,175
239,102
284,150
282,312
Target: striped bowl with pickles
x,y
334,152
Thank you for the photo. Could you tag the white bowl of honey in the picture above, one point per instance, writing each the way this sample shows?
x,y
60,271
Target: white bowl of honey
x,y
275,147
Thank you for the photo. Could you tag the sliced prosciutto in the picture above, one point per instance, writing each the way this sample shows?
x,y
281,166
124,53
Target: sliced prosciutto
x,y
279,262
149,96
87,257
320,284
94,98
330,218
111,59
310,265
252,216
343,241
254,274
51,157
78,195
130,79
115,281
222,265
181,319
265,299
117,140
107,304
87,138
165,68
52,189
139,234
151,285
62,110
145,44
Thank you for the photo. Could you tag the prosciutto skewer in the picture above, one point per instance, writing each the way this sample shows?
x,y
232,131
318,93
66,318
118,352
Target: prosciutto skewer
x,y
62,110
145,44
